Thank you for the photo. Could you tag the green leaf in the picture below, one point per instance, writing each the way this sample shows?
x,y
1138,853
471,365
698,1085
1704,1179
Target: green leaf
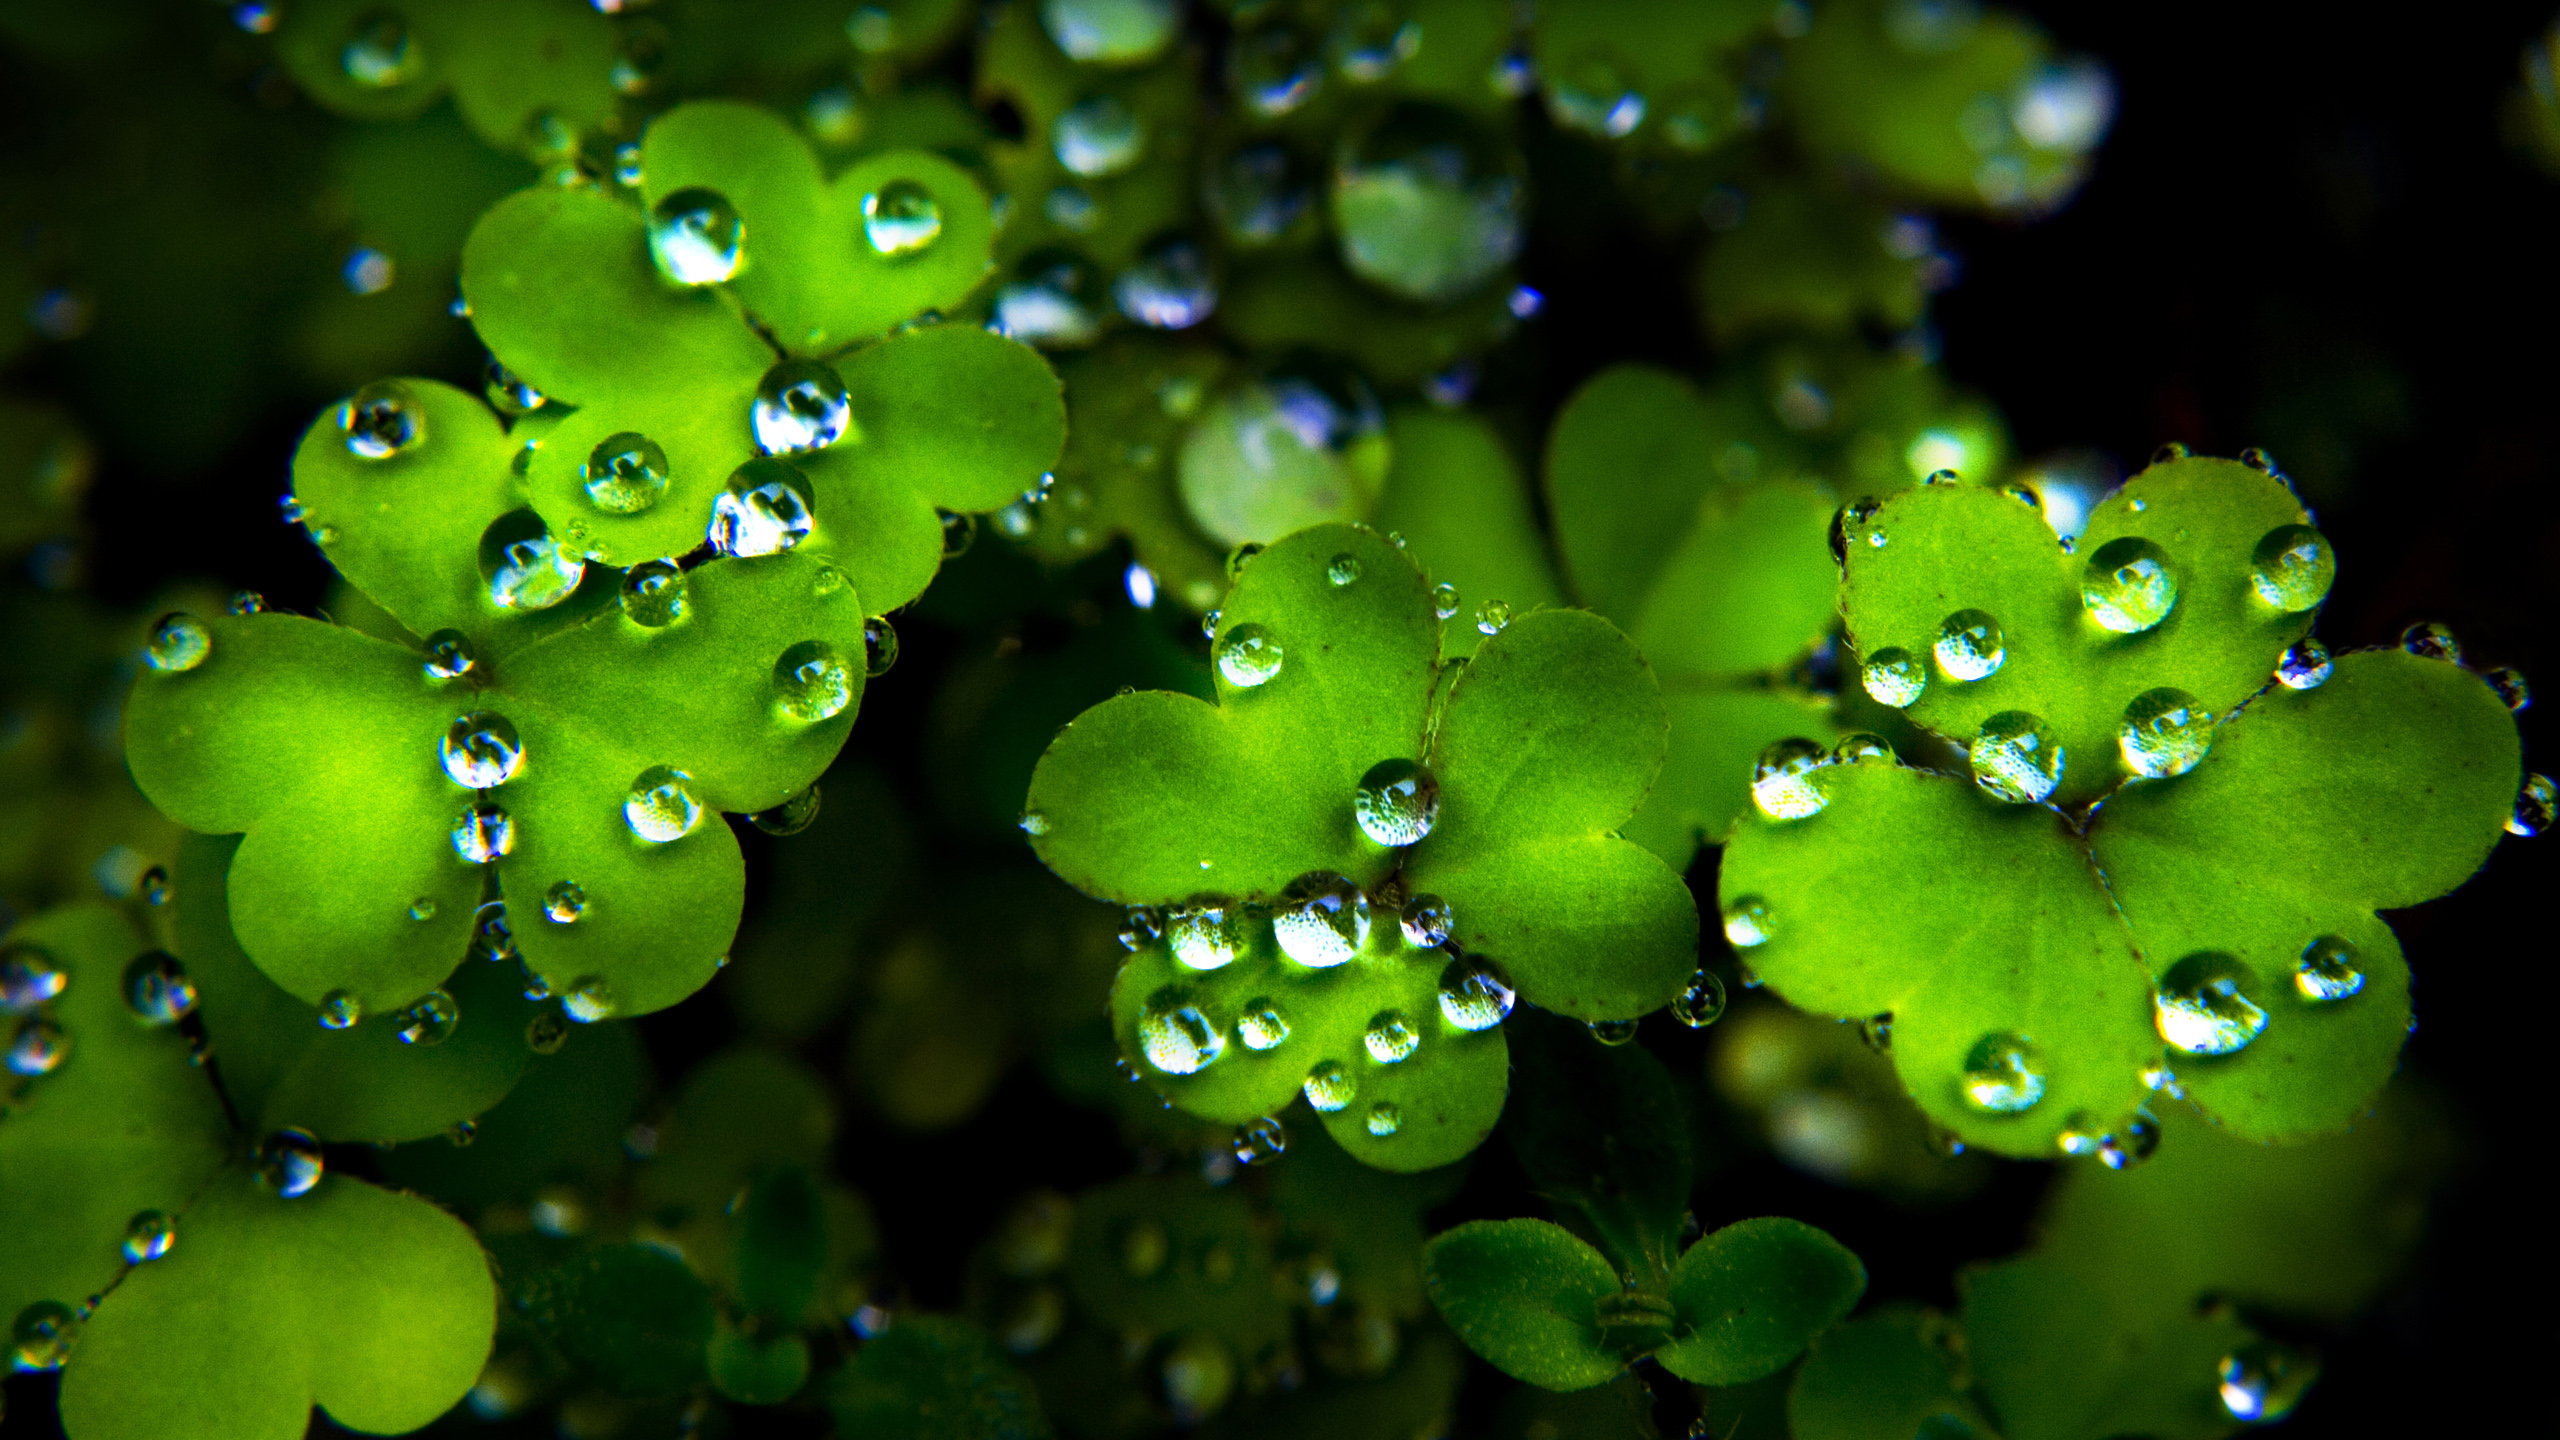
x,y
1716,735
376,1307
1600,1128
313,45
739,1110
1749,1296
516,66
2139,1365
933,1378
1887,1375
1131,399
565,1121
632,1316
782,1242
1523,1294
1803,260
1458,498
757,1369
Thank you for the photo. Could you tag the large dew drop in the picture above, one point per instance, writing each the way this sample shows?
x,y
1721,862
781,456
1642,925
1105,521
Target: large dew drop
x,y
661,806
2262,1382
2128,586
697,237
2164,732
1097,137
1208,933
41,1337
1701,1002
525,568
1397,802
800,405
430,1020
483,833
382,420
1175,1037
38,1048
900,218
1390,1038
1248,656
1970,646
157,990
655,594
2328,970
28,978
1474,993
2305,665
1111,32
2200,1008
1427,204
2537,800
1783,784
2292,568
2003,1074
625,474
2017,758
288,1163
480,750
1329,1087
1322,920
1894,676
178,643
1262,1026
1746,923
811,682
765,509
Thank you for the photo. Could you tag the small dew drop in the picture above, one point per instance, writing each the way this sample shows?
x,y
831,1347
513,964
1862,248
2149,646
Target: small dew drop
x,y
1614,1032
1322,920
588,1000
800,405
1329,1087
546,1032
340,1010
1344,571
1262,1026
382,420
178,643
2292,568
430,1020
1397,802
765,509
288,1163
480,751
661,806
2328,970
1385,1118
1444,600
811,682
565,903
1894,676
2003,1074
2262,1383
1702,1002
2017,758
2430,641
2199,1007
2510,685
1427,922
148,1236
2128,586
449,656
38,1048
1492,617
1474,993
1248,657
2536,804
1784,784
1390,1038
795,814
2164,733
901,219
157,990
2305,665
1175,1036
697,237
1746,923
1260,1141
879,646
626,473
1970,646
483,833
1209,933
655,594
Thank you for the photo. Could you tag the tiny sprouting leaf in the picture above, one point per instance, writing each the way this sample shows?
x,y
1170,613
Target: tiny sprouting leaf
x,y
763,1368
1749,1296
1525,1295
1601,1128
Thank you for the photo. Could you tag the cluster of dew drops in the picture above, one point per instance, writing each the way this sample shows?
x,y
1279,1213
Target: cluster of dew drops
x,y
2128,586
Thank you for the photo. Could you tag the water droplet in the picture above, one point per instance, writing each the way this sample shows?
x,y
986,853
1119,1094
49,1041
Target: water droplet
x,y
1248,656
1053,299
2262,1382
2164,732
2199,1007
41,1337
2509,683
430,1020
2292,568
901,218
148,1236
179,642
2128,586
1613,1032
1894,676
1175,1037
879,646
381,420
1702,1003
2430,641
2258,460
483,833
380,53
655,594
2328,970
800,406
1427,922
28,978
765,509
1111,32
2305,665
1209,625
2169,452
449,655
828,581
626,473
1260,1141
2080,1135
480,750
1492,616
38,1047
492,938
1427,204
2537,804
1385,1118
1746,923
2131,1143
697,237
1474,993
157,989
1329,1087
288,1163
1033,823
589,1000
811,682
1444,599
1260,193
1370,39
565,903
661,806
2003,1074
959,532
1273,70
1299,444
1970,646
1344,571
1097,137
1169,288
246,602
1322,920
1262,1026
2017,758
340,1010
546,1032
525,568
1782,780
1209,933
1397,803
795,814
1860,747
509,393
1592,96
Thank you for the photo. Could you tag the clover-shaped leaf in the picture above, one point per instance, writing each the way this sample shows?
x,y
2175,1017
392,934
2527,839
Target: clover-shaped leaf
x,y
514,69
1343,768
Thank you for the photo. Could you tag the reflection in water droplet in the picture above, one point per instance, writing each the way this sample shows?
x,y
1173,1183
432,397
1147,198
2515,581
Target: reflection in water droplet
x,y
1322,920
1894,676
1444,600
1176,1038
1170,288
28,978
1702,1002
526,569
2164,732
41,1337
449,656
288,1163
2537,804
1248,656
1427,204
1260,1141
2292,568
2080,1135
625,474
1970,646
2003,1074
178,643
2328,970
1343,571
1427,922
901,218
661,806
483,833
1262,1026
589,1000
546,1032
1596,99
765,509
1052,301
1097,136
2430,641
1782,780
565,903
2017,758
1206,934
697,237
157,990
148,1236
879,646
1397,803
2128,586
340,1010
430,1020
1111,32
2262,1382
811,682
1385,1118
2509,683
379,52
1474,993
800,405
1613,1032
1492,617
2305,665
1746,923
2200,1008
795,814
2131,1143
480,750
38,1048
1329,1087
655,594
1273,70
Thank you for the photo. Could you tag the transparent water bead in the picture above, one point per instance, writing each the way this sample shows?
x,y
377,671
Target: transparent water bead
x,y
1397,802
2537,804
2328,970
149,1235
382,420
480,750
1970,646
483,833
1097,136
625,474
800,405
430,1020
588,1000
812,683
1860,747
288,1163
38,1047
449,656
565,903
340,1010
546,1032
28,978
1492,617
246,602
2262,1383
41,1337
1322,920
2292,568
2164,732
1111,32
1208,933
1390,1038
1385,1119
795,814
1701,1002
178,643
901,218
1474,993
2080,1135
1260,193
1746,923
1175,1037
1260,1141
2128,586
157,990
2129,1144
1329,1087
661,806
1594,98
2003,1074
1274,70
2511,688
1343,571
525,568
1614,1032
1782,780
1894,676
380,53
1262,1026
1052,301
2017,758
1444,600
1170,288
765,509
509,393
2430,641
879,646
1427,204
2305,665
697,237
1248,656
2199,1007
655,594
1427,922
